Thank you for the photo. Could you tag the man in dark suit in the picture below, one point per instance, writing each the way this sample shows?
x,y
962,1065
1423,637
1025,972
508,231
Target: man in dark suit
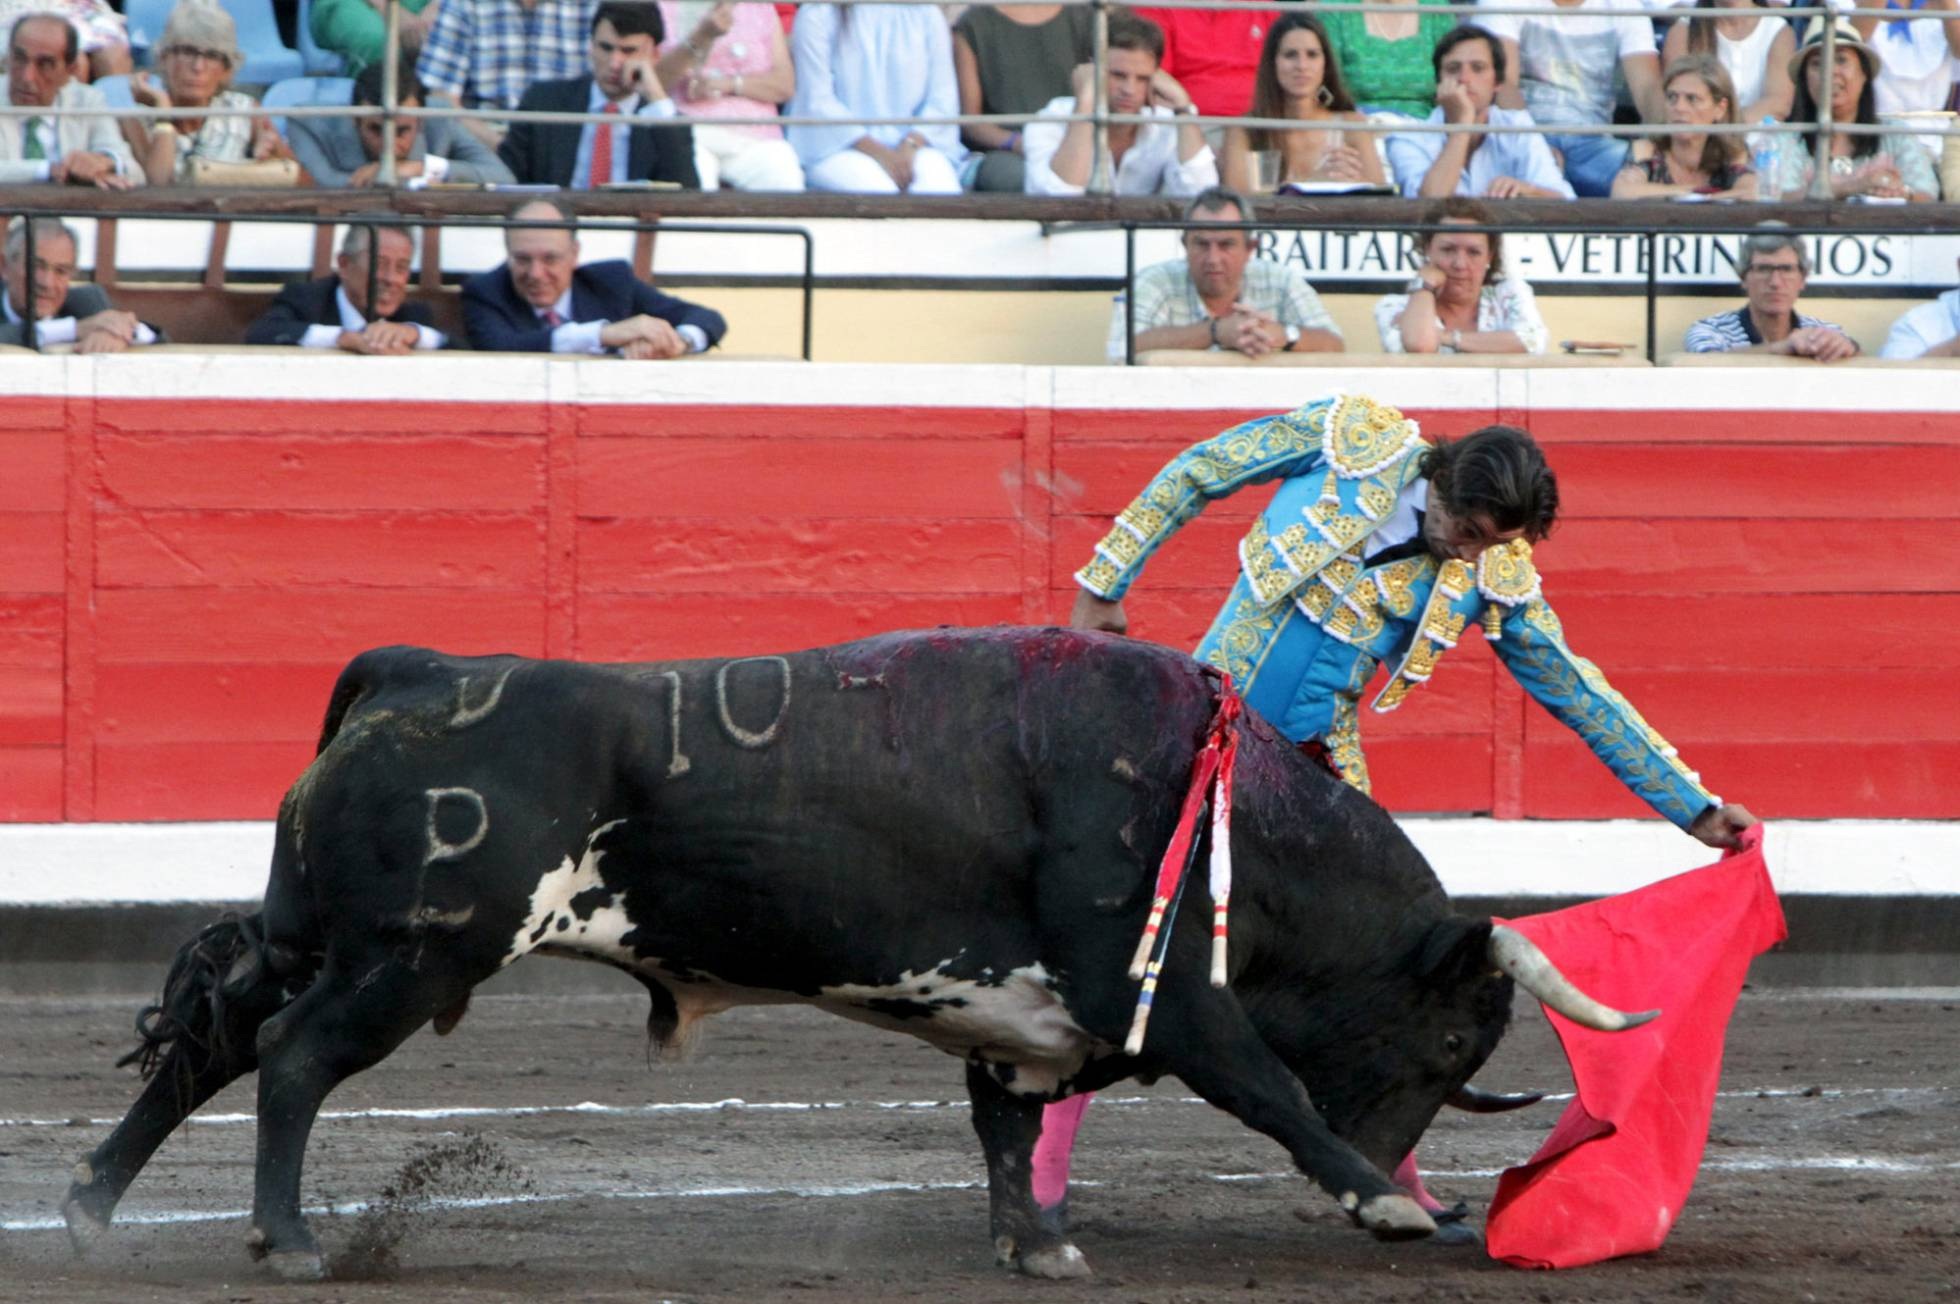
x,y
542,301
344,153
332,313
625,38
64,313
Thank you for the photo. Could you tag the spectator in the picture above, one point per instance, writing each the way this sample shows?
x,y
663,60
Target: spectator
x,y
65,313
345,152
1219,297
486,53
1014,59
734,63
1932,330
1460,300
196,57
1213,54
585,156
1560,67
1888,166
59,145
1299,78
1430,164
100,29
1774,268
332,313
356,30
542,301
1386,58
1685,161
876,61
1168,156
1918,61
1754,45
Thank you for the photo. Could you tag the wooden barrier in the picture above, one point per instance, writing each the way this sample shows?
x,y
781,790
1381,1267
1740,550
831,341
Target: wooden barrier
x,y
192,545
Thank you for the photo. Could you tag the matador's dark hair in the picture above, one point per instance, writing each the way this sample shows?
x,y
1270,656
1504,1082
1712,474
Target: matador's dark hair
x,y
1498,472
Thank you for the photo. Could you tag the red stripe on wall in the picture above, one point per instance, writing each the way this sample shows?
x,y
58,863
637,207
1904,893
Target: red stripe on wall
x,y
726,421
324,472
180,580
1699,426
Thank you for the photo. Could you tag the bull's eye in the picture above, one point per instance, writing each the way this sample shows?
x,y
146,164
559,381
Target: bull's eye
x,y
1453,1043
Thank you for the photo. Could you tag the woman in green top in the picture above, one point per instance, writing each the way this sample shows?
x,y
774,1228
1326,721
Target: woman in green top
x,y
1387,56
356,29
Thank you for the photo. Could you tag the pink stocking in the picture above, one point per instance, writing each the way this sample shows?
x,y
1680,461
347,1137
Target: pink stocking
x,y
1409,1180
1059,1122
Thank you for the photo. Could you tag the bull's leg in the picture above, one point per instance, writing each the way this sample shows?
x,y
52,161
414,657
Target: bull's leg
x,y
1204,1037
1008,1126
353,1017
169,1098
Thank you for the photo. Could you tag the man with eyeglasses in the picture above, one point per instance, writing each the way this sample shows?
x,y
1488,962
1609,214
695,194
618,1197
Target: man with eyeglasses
x,y
60,145
1773,268
64,313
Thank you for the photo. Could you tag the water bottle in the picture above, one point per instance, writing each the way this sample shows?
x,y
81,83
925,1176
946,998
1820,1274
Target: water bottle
x,y
1765,161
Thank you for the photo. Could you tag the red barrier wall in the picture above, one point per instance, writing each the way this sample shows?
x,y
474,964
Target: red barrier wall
x,y
182,576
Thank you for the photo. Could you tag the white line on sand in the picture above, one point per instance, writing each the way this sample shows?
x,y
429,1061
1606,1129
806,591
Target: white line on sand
x,y
738,1105
157,1217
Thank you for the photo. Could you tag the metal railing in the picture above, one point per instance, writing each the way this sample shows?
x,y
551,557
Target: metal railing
x,y
39,218
1650,240
1102,173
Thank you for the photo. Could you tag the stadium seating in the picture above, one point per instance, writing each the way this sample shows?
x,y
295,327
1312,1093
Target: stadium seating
x,y
267,58
318,62
116,90
145,19
305,90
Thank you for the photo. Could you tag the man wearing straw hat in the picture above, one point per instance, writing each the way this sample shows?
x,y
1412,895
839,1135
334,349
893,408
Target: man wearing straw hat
x,y
1380,548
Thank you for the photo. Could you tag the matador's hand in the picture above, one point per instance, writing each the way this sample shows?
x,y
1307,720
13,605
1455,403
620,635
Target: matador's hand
x,y
1092,612
1722,826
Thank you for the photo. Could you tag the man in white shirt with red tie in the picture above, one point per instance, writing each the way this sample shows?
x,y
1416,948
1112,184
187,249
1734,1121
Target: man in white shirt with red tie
x,y
651,142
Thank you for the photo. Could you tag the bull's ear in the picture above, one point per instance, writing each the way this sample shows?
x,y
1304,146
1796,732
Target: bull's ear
x,y
1455,948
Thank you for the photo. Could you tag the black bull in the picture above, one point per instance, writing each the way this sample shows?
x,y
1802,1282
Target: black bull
x,y
953,834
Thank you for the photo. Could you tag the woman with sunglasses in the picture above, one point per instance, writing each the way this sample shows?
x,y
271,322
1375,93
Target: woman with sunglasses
x,y
196,59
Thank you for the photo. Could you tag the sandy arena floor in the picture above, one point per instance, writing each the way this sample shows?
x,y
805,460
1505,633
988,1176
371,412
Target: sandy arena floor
x,y
851,1173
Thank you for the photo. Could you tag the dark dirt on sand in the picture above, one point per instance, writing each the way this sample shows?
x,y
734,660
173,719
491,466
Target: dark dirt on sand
x,y
462,1170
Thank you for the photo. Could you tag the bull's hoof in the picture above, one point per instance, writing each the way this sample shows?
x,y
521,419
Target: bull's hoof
x,y
84,1227
1054,1263
297,1263
1394,1218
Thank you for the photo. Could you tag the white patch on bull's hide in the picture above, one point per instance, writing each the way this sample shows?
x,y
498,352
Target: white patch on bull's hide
x,y
1018,1022
599,933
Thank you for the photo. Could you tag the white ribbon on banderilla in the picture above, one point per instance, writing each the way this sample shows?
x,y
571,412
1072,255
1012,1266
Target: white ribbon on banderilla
x,y
1211,785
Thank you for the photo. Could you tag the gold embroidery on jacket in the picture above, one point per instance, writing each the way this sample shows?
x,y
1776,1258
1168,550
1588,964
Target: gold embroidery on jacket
x,y
1364,437
1343,740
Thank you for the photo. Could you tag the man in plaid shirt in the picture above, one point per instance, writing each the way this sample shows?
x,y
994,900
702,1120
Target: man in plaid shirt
x,y
486,53
1219,297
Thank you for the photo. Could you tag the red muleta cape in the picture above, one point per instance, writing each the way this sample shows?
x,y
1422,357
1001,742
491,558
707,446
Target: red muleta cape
x,y
1616,1170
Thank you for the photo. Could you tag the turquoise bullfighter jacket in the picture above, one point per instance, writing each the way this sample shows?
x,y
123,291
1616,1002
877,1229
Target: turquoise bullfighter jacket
x,y
1309,621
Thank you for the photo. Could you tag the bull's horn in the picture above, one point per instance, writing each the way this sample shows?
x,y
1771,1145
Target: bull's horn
x,y
1534,971
1475,1100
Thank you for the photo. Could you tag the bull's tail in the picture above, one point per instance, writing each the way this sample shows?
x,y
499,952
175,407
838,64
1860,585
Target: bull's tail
x,y
224,983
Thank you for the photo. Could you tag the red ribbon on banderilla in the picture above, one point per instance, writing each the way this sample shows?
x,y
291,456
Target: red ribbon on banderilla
x,y
1211,784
